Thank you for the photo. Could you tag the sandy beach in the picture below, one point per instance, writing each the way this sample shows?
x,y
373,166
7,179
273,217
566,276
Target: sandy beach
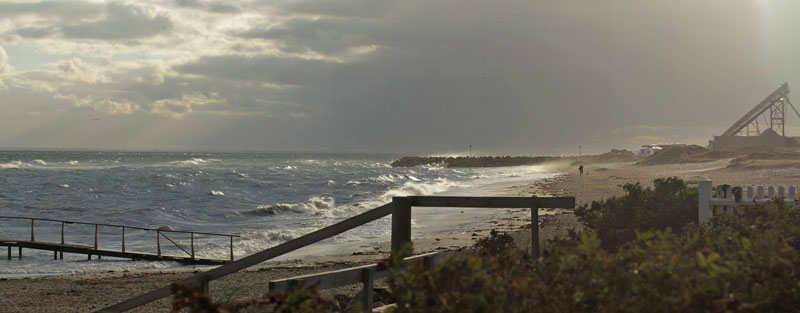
x,y
88,292
93,291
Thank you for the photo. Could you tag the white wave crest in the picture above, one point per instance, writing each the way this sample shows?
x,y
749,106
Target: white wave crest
x,y
39,162
216,193
14,164
194,161
320,206
387,178
419,188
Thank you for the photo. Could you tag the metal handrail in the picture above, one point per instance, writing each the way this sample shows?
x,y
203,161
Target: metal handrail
x,y
115,225
160,232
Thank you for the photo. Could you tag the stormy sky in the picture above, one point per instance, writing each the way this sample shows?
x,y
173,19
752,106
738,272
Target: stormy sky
x,y
508,77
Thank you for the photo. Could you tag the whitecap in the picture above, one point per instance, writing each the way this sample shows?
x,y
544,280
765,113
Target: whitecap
x,y
314,205
39,162
195,161
216,193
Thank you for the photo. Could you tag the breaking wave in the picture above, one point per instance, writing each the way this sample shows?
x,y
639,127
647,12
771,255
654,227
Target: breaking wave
x,y
314,206
194,161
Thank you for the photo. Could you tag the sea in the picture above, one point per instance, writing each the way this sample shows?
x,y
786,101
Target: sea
x,y
265,198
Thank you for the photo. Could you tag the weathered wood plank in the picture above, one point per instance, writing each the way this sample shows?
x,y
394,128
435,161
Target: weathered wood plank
x,y
401,222
493,202
259,257
339,278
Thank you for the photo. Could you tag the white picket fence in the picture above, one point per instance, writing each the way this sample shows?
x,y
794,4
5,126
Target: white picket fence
x,y
725,200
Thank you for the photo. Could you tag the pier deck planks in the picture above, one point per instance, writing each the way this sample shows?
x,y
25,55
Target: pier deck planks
x,y
88,250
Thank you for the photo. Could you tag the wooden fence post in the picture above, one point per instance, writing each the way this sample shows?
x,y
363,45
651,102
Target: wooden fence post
x,y
204,286
704,200
401,222
535,230
123,239
367,282
158,242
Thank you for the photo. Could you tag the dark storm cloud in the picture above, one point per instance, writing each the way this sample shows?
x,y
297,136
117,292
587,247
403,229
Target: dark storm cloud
x,y
121,22
506,75
442,76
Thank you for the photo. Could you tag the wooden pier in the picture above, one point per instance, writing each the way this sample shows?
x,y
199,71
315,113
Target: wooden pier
x,y
59,248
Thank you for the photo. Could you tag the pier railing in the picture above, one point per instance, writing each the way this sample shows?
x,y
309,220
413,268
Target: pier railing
x,y
160,232
399,208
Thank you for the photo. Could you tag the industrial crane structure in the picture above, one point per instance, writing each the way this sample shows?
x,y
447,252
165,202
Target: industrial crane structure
x,y
769,114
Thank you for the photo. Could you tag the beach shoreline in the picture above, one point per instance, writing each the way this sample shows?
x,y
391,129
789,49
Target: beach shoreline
x,y
80,292
85,292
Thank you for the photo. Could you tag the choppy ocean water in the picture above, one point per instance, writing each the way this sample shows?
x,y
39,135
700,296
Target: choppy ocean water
x,y
266,198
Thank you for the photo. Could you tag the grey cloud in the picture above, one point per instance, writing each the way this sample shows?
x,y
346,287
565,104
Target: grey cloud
x,y
344,8
532,77
63,10
120,23
36,32
324,35
263,68
212,6
510,70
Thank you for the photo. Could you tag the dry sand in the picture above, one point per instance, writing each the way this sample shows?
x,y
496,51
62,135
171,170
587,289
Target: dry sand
x,y
89,292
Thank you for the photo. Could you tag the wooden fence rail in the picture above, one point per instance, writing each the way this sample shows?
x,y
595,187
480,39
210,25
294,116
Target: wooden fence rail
x,y
399,208
365,275
727,197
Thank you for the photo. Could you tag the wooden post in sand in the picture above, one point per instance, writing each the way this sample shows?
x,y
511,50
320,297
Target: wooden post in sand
x,y
401,222
535,230
704,200
367,278
123,239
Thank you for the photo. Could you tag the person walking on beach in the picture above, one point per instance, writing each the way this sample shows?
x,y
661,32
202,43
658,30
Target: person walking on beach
x,y
580,169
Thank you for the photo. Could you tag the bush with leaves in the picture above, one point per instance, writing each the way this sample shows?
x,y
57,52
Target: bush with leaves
x,y
189,299
747,263
671,203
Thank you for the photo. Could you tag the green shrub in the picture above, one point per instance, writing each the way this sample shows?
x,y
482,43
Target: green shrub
x,y
747,263
669,204
189,299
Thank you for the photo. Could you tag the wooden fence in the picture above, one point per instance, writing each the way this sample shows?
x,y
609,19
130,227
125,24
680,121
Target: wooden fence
x,y
727,197
399,208
361,274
